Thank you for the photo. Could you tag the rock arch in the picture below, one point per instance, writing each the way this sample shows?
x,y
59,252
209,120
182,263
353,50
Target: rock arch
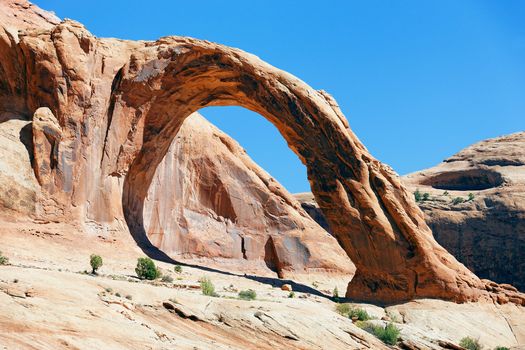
x,y
373,217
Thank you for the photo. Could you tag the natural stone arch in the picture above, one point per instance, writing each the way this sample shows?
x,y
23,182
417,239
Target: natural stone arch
x,y
373,217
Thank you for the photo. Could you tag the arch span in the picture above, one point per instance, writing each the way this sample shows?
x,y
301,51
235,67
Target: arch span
x,y
373,217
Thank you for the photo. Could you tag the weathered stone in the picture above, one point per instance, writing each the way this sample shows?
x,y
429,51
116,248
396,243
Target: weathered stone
x,y
487,231
122,103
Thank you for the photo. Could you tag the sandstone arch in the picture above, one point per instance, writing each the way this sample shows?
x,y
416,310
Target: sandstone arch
x,y
369,211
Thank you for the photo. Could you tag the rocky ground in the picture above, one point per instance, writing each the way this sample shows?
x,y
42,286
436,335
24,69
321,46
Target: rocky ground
x,y
48,302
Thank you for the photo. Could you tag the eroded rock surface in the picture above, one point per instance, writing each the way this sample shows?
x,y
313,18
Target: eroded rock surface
x,y
120,104
209,199
487,232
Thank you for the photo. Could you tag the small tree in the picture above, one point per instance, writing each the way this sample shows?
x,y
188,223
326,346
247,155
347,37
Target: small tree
x,y
96,262
426,196
177,269
418,196
470,197
146,269
207,287
470,343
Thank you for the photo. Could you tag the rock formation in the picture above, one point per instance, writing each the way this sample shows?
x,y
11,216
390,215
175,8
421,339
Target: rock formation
x,y
120,104
209,199
486,232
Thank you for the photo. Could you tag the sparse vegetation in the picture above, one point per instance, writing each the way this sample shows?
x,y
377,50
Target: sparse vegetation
x,y
388,334
3,259
247,294
418,196
96,262
351,312
291,295
457,200
315,284
335,293
445,193
129,297
426,196
109,290
117,294
501,348
207,287
470,197
470,343
167,278
146,269
177,269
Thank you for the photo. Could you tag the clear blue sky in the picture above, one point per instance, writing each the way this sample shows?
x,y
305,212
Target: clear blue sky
x,y
418,80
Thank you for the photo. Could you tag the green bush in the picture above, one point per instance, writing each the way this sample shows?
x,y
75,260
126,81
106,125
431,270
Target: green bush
x,y
388,334
352,312
207,287
501,348
418,196
167,278
470,197
457,200
3,259
445,193
291,295
247,294
146,269
470,343
129,297
177,269
96,262
335,293
426,196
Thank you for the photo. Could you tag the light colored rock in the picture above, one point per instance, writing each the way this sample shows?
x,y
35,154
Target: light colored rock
x,y
286,287
18,186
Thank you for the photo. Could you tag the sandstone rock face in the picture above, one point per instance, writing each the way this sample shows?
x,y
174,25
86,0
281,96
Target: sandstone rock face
x,y
18,185
120,104
486,233
208,198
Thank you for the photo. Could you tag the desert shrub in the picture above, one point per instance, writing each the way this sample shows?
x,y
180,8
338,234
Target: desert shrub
x,y
361,314
167,278
335,293
418,196
352,312
426,196
96,262
207,287
343,309
470,343
146,269
315,284
117,294
445,193
3,259
388,334
129,297
457,200
501,348
470,197
177,269
291,295
247,294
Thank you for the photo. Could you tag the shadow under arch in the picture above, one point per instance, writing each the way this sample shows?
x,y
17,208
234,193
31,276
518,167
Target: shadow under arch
x,y
367,207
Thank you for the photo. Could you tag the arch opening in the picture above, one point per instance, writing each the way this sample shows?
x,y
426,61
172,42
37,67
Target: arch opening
x,y
373,217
